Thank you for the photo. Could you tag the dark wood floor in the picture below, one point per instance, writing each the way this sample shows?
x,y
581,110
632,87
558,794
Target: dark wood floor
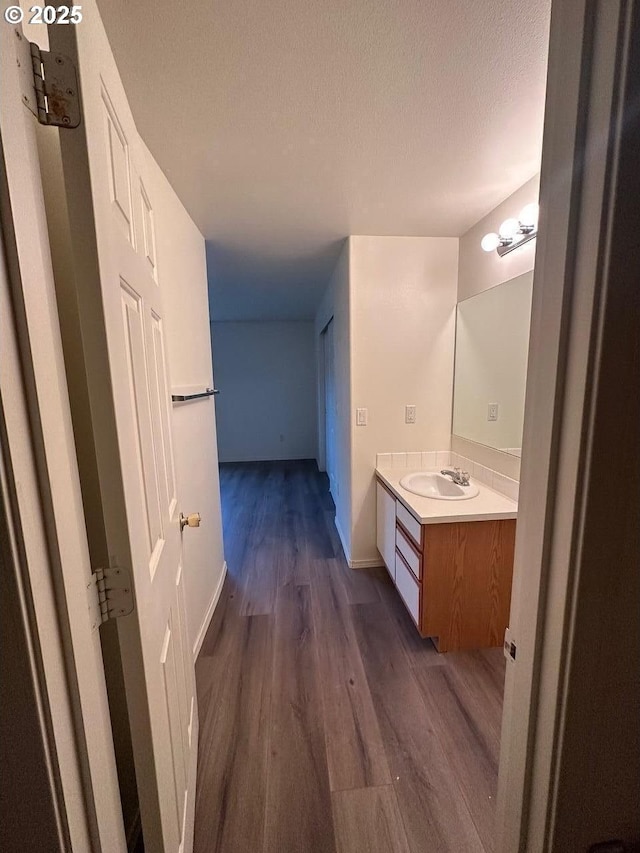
x,y
326,724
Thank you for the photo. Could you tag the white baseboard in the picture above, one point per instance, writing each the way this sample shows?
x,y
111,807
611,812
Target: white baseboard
x,y
373,563
208,615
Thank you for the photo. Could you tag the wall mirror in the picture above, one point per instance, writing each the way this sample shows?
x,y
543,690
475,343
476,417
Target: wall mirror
x,y
492,344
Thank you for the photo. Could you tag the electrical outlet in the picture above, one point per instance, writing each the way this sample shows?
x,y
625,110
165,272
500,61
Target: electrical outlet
x,y
492,414
410,414
361,417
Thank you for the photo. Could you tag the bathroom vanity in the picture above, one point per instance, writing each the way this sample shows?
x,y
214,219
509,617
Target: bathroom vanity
x,y
451,560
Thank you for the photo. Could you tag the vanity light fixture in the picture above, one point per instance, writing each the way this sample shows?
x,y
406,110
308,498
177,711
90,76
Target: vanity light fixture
x,y
513,232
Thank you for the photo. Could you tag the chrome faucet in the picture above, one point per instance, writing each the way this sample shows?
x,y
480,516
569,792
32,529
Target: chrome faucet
x,y
460,478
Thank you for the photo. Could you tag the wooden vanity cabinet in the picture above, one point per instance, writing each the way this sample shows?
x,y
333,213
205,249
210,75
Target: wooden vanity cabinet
x,y
468,573
454,577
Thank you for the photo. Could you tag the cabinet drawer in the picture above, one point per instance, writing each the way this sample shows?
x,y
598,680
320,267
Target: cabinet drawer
x,y
408,587
408,551
410,524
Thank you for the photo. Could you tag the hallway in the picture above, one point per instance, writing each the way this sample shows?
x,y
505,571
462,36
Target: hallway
x,y
326,723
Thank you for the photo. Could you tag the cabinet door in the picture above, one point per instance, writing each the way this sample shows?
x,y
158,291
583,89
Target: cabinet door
x,y
386,528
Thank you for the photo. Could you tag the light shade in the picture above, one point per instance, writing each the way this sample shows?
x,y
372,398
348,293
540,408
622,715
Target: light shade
x,y
490,242
529,215
509,229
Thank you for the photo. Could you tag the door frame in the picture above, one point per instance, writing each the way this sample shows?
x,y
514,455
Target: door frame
x,y
569,379
41,494
562,402
43,760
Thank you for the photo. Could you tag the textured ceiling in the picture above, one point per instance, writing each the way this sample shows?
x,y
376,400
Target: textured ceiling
x,y
285,125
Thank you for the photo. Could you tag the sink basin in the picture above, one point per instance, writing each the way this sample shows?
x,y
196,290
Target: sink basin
x,y
432,484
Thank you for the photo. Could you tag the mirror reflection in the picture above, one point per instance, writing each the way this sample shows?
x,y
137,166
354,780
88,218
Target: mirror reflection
x,y
492,343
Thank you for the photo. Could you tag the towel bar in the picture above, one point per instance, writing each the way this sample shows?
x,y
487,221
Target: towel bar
x,y
183,398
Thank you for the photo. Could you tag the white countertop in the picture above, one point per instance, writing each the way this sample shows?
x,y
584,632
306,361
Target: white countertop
x,y
486,506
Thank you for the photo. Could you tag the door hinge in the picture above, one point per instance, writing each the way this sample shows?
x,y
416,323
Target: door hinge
x,y
510,648
110,595
49,84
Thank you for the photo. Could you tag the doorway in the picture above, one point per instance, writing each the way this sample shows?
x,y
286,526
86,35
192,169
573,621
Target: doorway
x,y
302,603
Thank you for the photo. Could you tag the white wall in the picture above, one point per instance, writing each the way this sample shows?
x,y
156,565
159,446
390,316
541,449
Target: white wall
x,y
403,301
182,275
335,303
266,372
479,271
393,300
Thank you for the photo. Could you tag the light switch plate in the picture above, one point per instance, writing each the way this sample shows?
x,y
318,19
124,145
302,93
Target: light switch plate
x,y
410,414
361,417
492,413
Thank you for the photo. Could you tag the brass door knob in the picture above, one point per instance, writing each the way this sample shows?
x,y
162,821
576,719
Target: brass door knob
x,y
191,520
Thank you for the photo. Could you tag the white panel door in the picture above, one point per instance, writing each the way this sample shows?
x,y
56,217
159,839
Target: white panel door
x,y
121,308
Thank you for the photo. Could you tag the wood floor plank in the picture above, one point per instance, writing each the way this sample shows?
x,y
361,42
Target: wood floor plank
x,y
318,542
434,812
293,566
281,724
471,755
241,494
420,652
355,752
233,745
361,585
260,559
482,684
298,813
368,820
219,648
227,609
485,668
